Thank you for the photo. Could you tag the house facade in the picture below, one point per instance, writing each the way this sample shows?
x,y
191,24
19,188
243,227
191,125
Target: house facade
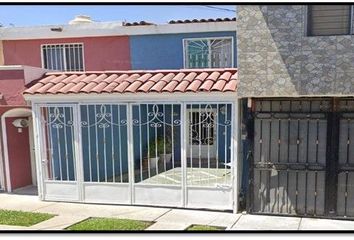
x,y
118,120
181,126
295,70
124,46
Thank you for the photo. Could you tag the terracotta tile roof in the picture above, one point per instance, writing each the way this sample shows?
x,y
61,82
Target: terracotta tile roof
x,y
202,20
185,80
144,23
141,23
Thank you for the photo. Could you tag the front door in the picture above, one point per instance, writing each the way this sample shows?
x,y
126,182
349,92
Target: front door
x,y
202,138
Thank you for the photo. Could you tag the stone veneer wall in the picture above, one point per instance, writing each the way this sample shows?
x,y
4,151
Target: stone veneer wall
x,y
276,58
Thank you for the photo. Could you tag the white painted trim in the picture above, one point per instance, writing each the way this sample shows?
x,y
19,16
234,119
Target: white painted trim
x,y
32,152
132,97
78,152
37,144
130,151
184,155
111,29
17,112
184,40
2,167
11,67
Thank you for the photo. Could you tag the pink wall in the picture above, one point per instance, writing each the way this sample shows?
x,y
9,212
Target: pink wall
x,y
100,53
19,155
12,84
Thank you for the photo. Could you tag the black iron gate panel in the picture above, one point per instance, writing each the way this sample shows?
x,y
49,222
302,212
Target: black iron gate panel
x,y
345,167
288,171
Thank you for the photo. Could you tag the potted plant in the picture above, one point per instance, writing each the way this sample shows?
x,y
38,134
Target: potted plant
x,y
160,149
166,150
153,153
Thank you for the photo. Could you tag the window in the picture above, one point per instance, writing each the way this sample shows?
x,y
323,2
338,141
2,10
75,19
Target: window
x,y
324,20
208,53
63,57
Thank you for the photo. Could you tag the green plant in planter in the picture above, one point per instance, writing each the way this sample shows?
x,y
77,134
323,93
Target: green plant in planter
x,y
161,145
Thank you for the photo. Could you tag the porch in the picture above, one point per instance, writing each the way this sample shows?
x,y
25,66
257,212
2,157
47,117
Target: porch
x,y
162,149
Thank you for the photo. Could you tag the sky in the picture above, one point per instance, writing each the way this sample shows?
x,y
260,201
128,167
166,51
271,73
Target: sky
x,y
17,15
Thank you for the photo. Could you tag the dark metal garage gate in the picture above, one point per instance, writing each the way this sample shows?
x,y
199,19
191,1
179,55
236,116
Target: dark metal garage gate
x,y
303,157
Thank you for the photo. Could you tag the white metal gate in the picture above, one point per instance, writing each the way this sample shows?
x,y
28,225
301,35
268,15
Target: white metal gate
x,y
168,154
58,158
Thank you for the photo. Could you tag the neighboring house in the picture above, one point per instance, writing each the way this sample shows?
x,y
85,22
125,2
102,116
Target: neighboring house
x,y
102,46
296,78
17,161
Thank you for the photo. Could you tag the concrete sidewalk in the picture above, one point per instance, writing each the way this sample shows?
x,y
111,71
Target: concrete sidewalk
x,y
164,218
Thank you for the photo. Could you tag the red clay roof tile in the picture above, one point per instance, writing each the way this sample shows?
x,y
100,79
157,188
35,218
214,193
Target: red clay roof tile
x,y
146,86
121,87
170,86
192,80
206,86
214,76
230,86
218,86
158,86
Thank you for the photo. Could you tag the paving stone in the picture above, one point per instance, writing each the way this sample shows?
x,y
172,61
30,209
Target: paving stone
x,y
11,228
21,202
199,217
168,226
325,224
58,222
97,210
258,222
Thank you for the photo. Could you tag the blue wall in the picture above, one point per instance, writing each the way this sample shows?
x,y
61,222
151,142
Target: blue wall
x,y
165,51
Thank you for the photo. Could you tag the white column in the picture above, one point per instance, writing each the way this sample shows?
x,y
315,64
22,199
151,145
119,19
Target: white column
x,y
130,151
235,152
37,144
184,153
78,152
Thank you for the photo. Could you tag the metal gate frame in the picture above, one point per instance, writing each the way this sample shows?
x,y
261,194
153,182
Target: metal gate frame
x,y
334,114
130,103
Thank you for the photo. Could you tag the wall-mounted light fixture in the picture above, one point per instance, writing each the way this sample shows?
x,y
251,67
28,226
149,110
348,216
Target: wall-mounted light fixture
x,y
20,123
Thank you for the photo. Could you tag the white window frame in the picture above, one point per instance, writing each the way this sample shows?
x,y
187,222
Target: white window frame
x,y
185,40
64,56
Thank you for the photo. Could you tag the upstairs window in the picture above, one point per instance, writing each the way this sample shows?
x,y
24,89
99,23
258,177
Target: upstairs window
x,y
208,53
324,20
63,57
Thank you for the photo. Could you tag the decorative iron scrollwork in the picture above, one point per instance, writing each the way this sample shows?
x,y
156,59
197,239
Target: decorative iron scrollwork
x,y
57,118
154,119
104,119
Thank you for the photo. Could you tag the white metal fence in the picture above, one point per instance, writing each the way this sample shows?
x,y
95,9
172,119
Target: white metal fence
x,y
172,154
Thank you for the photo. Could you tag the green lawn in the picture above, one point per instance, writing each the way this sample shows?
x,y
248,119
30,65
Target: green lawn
x,y
19,218
107,224
204,228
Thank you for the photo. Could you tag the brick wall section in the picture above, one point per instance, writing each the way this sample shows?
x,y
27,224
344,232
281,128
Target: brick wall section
x,y
276,58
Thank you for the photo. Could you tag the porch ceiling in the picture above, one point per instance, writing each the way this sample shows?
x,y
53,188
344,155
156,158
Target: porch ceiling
x,y
186,80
